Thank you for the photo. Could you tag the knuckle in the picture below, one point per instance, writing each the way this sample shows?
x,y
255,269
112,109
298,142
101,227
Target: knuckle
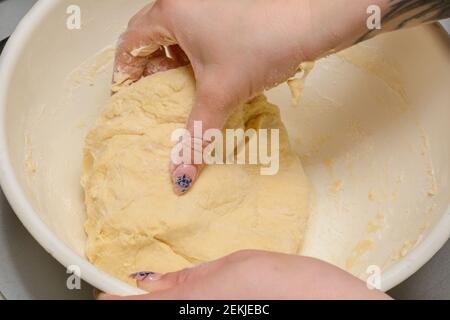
x,y
135,20
132,21
167,5
174,11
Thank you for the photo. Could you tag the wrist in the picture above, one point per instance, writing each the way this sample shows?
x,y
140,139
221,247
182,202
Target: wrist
x,y
338,24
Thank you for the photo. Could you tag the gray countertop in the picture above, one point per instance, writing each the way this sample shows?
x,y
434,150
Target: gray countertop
x,y
27,271
11,11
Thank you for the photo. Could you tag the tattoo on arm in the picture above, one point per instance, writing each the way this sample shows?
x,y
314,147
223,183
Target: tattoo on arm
x,y
404,12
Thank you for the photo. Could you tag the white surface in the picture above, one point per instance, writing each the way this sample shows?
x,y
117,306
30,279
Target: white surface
x,y
39,230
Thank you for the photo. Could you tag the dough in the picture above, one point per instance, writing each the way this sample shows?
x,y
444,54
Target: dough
x,y
296,85
135,221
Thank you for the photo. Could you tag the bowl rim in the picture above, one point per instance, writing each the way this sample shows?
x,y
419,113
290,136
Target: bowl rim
x,y
10,184
391,277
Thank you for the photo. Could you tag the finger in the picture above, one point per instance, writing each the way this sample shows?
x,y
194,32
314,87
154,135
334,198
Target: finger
x,y
135,45
160,63
176,58
173,285
140,49
211,110
181,285
153,282
130,74
133,53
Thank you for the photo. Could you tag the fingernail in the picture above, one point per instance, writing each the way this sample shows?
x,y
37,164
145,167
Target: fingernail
x,y
141,276
183,177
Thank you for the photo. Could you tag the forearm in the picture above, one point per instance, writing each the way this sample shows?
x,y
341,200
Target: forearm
x,y
339,24
398,14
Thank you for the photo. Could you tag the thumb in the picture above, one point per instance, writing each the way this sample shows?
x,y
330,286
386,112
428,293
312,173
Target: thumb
x,y
174,285
212,107
155,282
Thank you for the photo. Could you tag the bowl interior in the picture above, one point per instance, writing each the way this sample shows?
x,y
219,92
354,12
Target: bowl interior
x,y
372,130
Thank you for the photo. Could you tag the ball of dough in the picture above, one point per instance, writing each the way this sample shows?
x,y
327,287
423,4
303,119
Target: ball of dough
x,y
134,220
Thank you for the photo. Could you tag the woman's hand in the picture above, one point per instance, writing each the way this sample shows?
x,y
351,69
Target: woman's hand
x,y
237,48
254,275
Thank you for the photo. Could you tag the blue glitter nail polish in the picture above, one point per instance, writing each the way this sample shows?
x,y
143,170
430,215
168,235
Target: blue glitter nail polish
x,y
141,276
183,183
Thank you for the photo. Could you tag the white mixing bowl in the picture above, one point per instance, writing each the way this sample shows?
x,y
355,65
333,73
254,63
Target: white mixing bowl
x,y
372,131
